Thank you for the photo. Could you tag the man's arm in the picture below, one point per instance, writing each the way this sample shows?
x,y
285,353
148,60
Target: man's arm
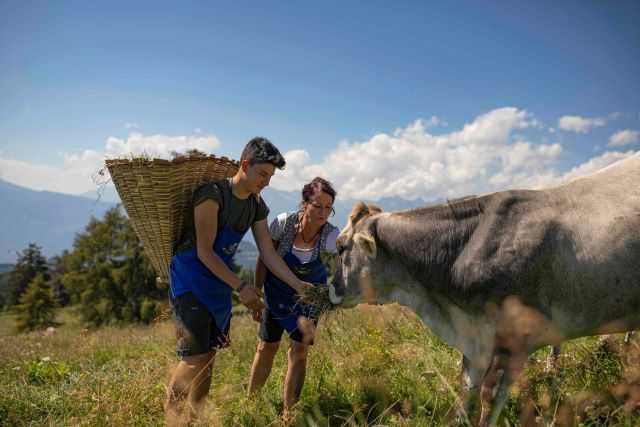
x,y
260,274
206,224
272,260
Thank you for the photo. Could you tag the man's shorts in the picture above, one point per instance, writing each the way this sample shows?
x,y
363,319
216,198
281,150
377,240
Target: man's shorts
x,y
271,330
196,329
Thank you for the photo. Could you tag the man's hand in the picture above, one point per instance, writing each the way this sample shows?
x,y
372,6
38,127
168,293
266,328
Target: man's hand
x,y
302,286
302,289
250,297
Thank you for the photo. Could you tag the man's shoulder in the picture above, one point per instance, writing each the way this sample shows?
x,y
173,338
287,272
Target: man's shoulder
x,y
215,189
216,184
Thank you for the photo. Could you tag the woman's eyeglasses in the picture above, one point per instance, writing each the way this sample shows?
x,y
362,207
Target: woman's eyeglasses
x,y
324,208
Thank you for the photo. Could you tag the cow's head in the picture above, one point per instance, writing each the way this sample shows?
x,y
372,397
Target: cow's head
x,y
357,250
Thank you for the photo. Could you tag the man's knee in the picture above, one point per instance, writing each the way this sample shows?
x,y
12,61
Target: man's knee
x,y
199,365
268,349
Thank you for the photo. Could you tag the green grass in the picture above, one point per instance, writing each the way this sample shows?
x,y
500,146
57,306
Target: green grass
x,y
370,366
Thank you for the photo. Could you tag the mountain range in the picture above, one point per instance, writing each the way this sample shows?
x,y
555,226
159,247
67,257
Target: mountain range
x,y
48,219
52,220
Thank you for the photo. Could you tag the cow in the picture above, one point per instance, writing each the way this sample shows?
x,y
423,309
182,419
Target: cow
x,y
499,276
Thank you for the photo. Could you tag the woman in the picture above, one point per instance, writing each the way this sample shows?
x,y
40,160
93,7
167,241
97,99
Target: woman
x,y
300,237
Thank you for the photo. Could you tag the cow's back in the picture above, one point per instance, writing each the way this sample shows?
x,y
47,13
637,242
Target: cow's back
x,y
572,252
595,257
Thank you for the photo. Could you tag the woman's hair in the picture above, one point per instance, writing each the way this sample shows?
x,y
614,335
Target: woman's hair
x,y
316,185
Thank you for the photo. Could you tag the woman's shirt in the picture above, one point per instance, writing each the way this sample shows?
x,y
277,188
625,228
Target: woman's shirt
x,y
305,255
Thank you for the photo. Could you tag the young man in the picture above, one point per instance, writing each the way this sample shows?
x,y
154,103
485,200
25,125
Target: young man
x,y
201,279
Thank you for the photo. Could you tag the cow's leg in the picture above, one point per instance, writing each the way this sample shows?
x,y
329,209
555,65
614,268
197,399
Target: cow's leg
x,y
471,381
505,368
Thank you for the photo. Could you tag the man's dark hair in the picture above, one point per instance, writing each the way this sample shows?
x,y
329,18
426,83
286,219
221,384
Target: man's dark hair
x,y
261,150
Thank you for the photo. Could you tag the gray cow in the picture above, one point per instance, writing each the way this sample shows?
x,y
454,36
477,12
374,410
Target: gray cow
x,y
501,275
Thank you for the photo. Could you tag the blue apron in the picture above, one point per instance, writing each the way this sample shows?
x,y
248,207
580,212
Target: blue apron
x,y
282,300
189,274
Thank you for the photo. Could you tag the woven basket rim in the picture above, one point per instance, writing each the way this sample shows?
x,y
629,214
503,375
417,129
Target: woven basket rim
x,y
176,160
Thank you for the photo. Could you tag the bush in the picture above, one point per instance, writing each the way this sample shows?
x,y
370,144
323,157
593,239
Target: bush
x,y
148,310
30,263
36,308
46,371
108,274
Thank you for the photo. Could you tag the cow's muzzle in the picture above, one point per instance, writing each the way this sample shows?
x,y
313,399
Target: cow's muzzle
x,y
336,292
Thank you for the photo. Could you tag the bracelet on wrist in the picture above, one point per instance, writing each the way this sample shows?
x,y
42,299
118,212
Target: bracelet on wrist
x,y
243,284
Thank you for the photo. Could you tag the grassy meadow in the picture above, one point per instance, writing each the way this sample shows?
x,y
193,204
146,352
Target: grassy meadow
x,y
372,365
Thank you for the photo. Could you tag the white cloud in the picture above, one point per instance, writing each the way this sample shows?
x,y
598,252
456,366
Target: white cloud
x,y
131,125
624,137
489,153
483,156
80,170
413,163
595,164
434,121
158,146
580,124
40,177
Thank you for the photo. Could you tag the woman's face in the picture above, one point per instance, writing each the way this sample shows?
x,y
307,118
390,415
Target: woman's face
x,y
319,208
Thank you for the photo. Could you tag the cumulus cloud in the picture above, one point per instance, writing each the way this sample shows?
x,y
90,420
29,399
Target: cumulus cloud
x,y
78,172
158,146
484,156
40,177
489,153
624,137
413,163
580,124
595,164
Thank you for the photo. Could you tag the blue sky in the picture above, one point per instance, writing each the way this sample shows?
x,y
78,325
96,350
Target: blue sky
x,y
325,82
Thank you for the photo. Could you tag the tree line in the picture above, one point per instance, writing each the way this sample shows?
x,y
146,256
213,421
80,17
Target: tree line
x,y
106,275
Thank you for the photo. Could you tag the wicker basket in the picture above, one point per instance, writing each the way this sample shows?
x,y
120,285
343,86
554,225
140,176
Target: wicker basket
x,y
157,195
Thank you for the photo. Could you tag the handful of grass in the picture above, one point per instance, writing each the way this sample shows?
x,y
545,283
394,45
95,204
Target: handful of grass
x,y
318,297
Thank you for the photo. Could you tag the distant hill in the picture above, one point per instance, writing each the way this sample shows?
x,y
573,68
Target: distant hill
x,y
52,219
246,255
49,219
281,201
6,268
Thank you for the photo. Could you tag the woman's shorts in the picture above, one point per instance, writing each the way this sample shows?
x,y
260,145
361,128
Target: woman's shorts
x,y
271,330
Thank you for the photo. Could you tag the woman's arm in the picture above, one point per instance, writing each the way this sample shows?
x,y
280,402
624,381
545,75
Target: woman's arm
x,y
273,260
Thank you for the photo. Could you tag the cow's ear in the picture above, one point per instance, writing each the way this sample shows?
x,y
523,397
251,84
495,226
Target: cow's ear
x,y
367,243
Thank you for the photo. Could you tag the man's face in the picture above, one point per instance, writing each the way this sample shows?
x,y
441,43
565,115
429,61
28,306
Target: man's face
x,y
258,175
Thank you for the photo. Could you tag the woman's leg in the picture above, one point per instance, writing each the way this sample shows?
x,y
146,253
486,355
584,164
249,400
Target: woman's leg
x,y
262,363
296,371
